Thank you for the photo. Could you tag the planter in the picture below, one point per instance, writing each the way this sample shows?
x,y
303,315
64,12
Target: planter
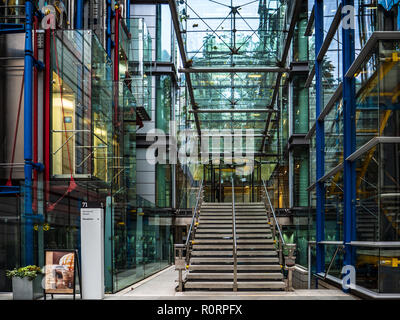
x,y
23,289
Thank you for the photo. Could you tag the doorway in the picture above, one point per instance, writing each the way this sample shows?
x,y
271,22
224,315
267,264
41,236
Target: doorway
x,y
218,183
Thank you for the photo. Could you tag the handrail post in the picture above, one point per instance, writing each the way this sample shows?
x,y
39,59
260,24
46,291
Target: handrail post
x,y
181,262
309,266
280,249
274,230
290,263
180,265
234,249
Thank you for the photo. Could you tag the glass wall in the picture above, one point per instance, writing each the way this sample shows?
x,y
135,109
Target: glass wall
x,y
300,105
164,102
300,176
166,50
10,250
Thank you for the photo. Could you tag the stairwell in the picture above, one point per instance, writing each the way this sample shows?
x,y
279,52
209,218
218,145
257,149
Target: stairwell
x,y
211,266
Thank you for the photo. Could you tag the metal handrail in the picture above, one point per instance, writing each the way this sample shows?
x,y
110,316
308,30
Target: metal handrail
x,y
273,213
235,284
187,243
340,246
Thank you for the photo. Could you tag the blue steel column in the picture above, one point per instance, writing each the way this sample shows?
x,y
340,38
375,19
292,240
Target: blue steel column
x,y
28,89
320,139
79,14
128,14
108,30
349,141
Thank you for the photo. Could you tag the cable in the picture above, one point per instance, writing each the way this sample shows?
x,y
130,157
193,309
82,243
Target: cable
x,y
9,182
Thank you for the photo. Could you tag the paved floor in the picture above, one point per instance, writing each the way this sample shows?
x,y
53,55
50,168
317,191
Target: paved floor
x,y
161,286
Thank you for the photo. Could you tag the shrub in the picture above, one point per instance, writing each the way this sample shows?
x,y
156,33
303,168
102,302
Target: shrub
x,y
30,272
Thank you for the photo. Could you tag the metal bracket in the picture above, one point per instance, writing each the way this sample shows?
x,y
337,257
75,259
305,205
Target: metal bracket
x,y
38,166
39,65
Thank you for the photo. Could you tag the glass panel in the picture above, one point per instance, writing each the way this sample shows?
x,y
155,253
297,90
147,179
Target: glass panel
x,y
300,41
165,34
367,264
164,102
300,106
389,271
334,211
10,250
367,208
164,186
71,104
334,137
300,177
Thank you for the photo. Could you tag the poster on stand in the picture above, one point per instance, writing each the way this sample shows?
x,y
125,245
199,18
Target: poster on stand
x,y
60,268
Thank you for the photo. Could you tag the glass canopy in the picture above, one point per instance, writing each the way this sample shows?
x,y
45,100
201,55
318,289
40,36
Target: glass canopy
x,y
222,37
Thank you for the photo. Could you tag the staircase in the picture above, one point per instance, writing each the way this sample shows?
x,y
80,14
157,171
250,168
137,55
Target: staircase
x,y
211,266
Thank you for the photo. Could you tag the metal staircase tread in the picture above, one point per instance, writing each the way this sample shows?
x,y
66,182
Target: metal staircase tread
x,y
240,246
229,241
229,285
251,267
243,236
229,218
224,260
210,225
265,247
238,231
238,221
229,276
199,253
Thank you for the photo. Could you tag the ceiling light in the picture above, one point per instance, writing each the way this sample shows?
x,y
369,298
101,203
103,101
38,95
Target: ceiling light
x,y
254,75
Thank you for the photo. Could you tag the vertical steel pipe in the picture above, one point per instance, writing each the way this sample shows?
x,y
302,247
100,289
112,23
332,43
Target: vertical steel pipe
x,y
79,14
46,112
108,28
309,266
349,143
116,62
128,14
320,138
28,157
35,110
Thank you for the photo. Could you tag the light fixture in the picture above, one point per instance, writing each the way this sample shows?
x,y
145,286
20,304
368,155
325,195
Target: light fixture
x,y
255,76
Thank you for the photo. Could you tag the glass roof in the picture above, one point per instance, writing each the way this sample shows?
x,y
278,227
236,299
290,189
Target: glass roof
x,y
233,34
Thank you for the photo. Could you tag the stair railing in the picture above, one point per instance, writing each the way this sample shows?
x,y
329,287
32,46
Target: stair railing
x,y
182,261
290,257
275,223
235,284
193,225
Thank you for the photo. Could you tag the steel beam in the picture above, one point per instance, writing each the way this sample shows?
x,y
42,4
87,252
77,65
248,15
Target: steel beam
x,y
370,144
330,34
310,78
311,132
331,173
335,97
369,46
234,70
310,24
233,111
185,62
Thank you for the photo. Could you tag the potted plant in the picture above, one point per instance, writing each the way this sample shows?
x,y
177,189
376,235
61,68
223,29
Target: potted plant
x,y
25,282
